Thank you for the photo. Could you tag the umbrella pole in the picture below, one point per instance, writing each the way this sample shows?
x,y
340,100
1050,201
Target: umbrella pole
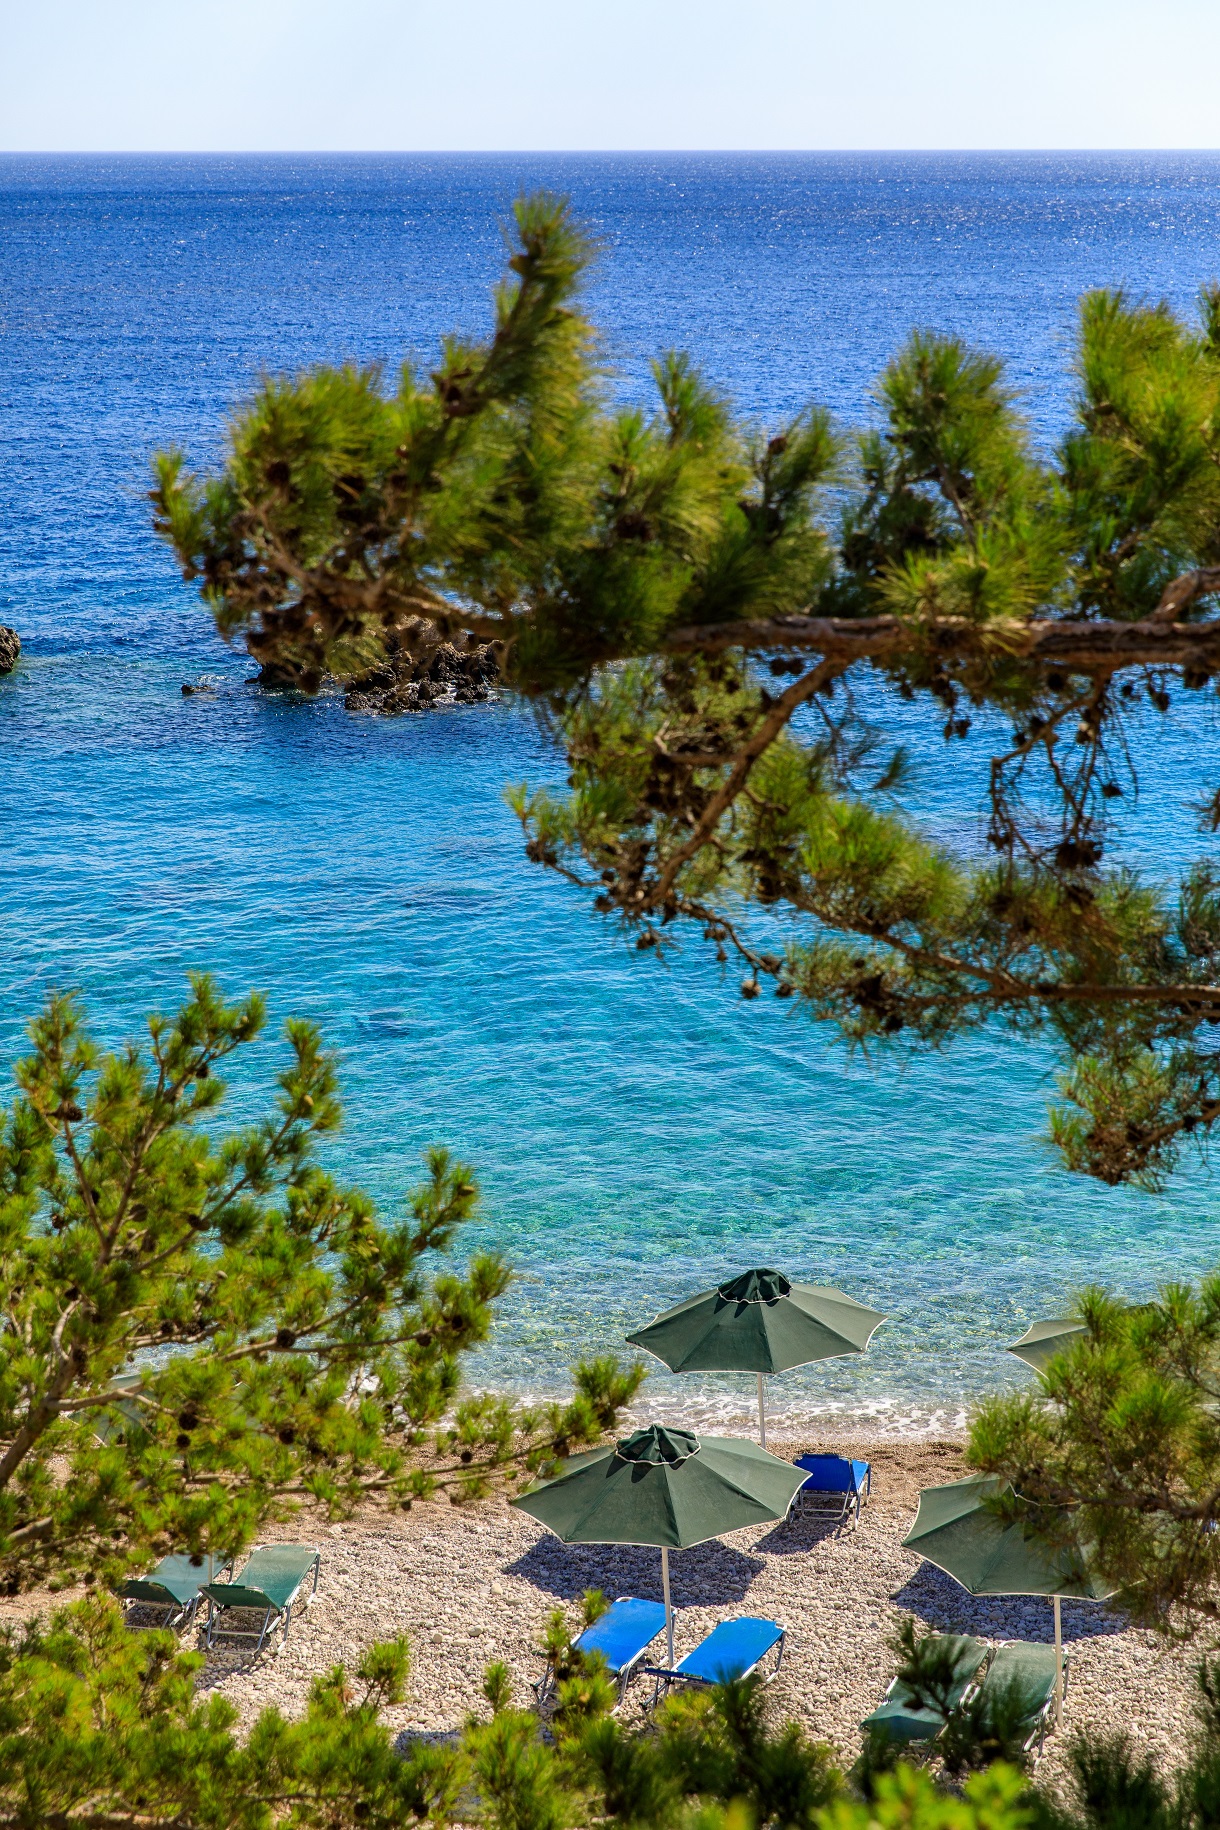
x,y
669,1606
762,1415
1058,1658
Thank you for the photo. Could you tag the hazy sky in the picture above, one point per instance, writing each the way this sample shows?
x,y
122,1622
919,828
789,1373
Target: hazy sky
x,y
643,74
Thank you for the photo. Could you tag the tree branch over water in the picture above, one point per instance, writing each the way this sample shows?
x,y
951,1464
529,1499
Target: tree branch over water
x,y
650,575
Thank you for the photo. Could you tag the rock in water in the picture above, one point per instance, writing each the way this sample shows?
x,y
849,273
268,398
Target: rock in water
x,y
10,648
418,672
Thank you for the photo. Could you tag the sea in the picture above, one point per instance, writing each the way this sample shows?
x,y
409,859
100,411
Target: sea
x,y
639,1131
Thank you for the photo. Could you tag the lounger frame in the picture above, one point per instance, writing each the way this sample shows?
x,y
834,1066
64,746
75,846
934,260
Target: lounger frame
x,y
842,1505
178,1614
665,1678
272,1617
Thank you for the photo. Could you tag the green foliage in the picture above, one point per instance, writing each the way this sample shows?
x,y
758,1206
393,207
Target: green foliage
x,y
907,1799
719,1744
1125,1456
198,1332
575,1686
993,1724
1115,1786
102,1726
692,604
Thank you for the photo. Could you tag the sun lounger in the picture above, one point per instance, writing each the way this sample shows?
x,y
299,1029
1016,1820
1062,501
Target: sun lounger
x,y
900,1718
837,1487
622,1636
270,1584
176,1585
1033,1668
734,1649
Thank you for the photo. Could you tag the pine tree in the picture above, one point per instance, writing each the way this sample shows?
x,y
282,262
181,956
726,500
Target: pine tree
x,y
1115,1454
694,613
198,1333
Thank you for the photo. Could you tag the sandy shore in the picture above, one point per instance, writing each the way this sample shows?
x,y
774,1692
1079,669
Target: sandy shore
x,y
471,1585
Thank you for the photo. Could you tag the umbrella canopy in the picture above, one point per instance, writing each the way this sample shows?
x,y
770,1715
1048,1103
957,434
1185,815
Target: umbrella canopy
x,y
665,1487
1042,1339
954,1530
760,1323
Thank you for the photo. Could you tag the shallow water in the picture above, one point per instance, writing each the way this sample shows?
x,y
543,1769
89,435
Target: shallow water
x,y
639,1132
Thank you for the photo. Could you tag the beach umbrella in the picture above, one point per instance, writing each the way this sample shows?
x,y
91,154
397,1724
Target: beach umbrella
x,y
954,1530
664,1487
760,1323
1042,1339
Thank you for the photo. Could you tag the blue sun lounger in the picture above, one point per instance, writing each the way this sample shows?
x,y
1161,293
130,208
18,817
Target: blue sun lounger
x,y
734,1649
622,1636
837,1487
270,1585
176,1585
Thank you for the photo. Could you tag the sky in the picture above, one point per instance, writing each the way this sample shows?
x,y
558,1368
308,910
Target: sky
x,y
545,75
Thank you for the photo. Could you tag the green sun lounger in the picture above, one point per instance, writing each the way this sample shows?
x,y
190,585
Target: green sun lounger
x,y
176,1585
269,1586
900,1718
1016,1661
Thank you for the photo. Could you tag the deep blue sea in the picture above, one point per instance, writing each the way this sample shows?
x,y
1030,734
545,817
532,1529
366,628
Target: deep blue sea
x,y
639,1132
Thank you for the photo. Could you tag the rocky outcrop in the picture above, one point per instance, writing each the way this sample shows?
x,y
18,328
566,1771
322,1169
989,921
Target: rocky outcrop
x,y
10,648
419,672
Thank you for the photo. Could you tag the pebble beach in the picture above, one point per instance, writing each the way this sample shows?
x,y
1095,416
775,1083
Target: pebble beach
x,y
471,1584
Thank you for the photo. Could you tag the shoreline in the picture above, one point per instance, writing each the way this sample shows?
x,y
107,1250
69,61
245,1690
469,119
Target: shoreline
x,y
883,1423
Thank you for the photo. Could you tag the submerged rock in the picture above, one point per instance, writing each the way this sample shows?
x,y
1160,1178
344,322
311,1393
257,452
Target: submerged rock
x,y
417,670
10,648
278,678
418,673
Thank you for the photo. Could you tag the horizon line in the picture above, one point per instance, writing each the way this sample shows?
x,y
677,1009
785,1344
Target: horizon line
x,y
598,152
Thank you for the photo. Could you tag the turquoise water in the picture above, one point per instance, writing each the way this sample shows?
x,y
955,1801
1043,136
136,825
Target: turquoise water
x,y
638,1131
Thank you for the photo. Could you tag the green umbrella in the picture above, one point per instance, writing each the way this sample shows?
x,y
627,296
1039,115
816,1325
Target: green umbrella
x,y
664,1487
954,1530
759,1323
1042,1339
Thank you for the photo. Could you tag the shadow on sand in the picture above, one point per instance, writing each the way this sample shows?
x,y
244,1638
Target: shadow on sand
x,y
943,1604
800,1531
709,1575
